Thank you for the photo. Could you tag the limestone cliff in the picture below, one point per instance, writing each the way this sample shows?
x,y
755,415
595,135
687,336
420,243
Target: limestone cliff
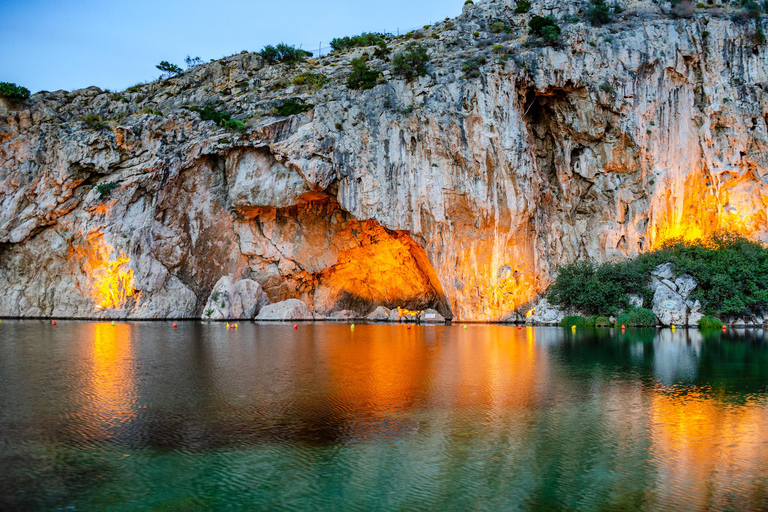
x,y
461,194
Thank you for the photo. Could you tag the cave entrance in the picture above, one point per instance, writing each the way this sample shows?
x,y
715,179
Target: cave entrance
x,y
381,267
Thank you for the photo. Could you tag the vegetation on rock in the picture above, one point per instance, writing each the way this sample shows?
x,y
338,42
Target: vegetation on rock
x,y
731,272
598,13
362,77
411,62
364,39
283,54
13,92
522,7
169,69
546,28
291,107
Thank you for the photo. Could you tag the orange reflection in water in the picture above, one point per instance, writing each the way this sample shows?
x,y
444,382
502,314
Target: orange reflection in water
x,y
111,394
702,448
394,369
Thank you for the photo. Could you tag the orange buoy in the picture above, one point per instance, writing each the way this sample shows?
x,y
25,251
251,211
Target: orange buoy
x,y
295,326
53,322
408,326
174,325
723,327
519,326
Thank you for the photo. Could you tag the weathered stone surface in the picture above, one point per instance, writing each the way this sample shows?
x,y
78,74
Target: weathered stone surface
x,y
664,271
291,309
394,315
669,306
546,313
430,316
477,194
235,300
380,314
636,301
685,284
345,314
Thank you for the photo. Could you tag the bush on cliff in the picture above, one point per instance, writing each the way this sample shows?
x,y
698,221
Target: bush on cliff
x,y
362,77
283,54
598,13
707,322
13,92
638,317
364,39
731,272
291,107
411,62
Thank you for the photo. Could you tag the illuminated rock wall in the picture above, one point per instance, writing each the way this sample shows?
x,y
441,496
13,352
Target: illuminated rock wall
x,y
445,192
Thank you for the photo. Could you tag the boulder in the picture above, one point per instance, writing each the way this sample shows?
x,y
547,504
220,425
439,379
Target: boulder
x,y
685,285
636,301
693,318
669,284
394,315
345,314
669,306
291,309
380,314
546,313
663,271
230,300
430,316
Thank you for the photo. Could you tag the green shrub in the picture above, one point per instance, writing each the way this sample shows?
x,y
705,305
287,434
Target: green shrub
x,y
759,36
209,113
500,27
313,80
13,92
571,320
597,289
208,312
598,13
602,321
104,189
624,319
538,23
152,111
752,9
471,68
522,7
642,317
95,122
362,77
411,62
234,125
283,54
707,322
606,87
291,107
169,69
364,39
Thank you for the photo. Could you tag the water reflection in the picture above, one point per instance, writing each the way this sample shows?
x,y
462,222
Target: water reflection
x,y
438,417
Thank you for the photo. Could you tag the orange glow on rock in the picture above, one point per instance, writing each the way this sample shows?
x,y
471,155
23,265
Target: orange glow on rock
x,y
112,282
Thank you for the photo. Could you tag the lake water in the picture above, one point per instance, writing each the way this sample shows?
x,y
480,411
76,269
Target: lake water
x,y
140,416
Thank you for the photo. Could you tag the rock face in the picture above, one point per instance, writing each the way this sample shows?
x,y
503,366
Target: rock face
x,y
670,299
545,313
235,300
446,192
291,309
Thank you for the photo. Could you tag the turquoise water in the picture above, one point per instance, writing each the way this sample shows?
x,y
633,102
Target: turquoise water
x,y
141,416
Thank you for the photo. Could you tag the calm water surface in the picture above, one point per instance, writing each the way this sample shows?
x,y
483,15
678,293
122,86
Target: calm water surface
x,y
140,416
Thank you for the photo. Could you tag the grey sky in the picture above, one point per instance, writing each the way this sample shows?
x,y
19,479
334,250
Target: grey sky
x,y
65,44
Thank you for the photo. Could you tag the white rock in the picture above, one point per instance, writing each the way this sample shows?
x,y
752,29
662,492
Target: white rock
x,y
291,309
663,271
380,314
669,284
235,300
669,307
685,285
430,316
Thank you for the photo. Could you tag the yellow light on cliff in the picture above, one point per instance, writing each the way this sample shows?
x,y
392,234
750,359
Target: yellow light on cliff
x,y
530,312
112,283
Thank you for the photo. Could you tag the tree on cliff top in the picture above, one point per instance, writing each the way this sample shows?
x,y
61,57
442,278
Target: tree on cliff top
x,y
13,92
168,69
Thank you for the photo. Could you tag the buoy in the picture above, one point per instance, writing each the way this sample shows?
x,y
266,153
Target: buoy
x,y
723,327
623,327
519,326
408,326
673,327
235,326
352,327
174,325
53,322
113,323
295,326
227,325
573,327
465,326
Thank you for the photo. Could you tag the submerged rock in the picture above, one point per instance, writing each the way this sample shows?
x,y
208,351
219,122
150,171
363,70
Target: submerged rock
x,y
291,309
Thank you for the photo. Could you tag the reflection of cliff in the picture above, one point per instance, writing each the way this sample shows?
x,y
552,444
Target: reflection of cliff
x,y
702,449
